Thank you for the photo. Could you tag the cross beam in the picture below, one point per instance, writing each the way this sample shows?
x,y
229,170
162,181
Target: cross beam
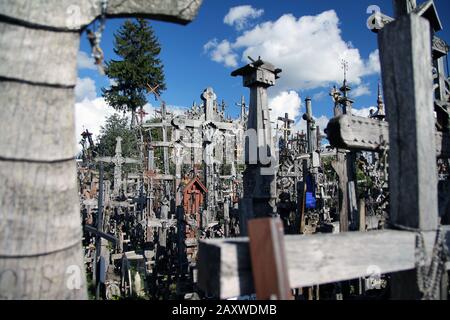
x,y
69,15
365,134
181,123
101,234
225,269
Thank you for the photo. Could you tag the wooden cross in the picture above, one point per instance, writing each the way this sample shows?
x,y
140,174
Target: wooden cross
x,y
39,44
141,113
99,234
118,160
405,51
287,126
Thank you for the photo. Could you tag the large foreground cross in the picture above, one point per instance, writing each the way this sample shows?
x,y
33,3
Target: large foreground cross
x,y
40,227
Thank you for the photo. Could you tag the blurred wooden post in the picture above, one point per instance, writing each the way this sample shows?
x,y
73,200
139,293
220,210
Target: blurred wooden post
x,y
269,267
405,54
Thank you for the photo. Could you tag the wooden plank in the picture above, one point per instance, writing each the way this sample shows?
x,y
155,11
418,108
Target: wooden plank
x,y
103,235
55,276
225,271
32,219
405,55
76,14
38,56
268,259
167,177
352,132
358,133
50,119
149,126
162,144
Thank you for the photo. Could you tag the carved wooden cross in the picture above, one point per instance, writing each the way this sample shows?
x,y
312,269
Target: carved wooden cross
x,y
118,160
39,43
286,126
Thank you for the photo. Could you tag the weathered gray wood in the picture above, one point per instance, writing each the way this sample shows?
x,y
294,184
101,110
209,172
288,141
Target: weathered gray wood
x,y
403,7
352,132
76,14
163,177
224,266
358,133
340,166
56,52
39,211
37,129
55,276
362,214
405,53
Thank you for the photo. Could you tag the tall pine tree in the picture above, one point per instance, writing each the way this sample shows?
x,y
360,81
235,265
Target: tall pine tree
x,y
137,45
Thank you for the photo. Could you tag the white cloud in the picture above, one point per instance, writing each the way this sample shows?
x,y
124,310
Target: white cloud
x,y
364,112
362,90
285,102
239,16
373,65
112,82
85,61
320,96
221,52
85,89
91,115
322,122
290,102
309,49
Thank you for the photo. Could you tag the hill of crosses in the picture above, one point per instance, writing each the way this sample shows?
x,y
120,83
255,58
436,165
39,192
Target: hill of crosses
x,y
224,200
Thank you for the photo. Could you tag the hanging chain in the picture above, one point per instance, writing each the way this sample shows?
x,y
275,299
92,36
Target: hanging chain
x,y
95,38
428,277
383,163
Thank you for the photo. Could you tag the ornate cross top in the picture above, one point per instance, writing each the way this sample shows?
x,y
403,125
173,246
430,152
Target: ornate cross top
x,y
118,160
287,122
427,10
208,96
118,146
344,65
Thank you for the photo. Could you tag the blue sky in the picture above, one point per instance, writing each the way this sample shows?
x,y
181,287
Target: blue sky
x,y
306,38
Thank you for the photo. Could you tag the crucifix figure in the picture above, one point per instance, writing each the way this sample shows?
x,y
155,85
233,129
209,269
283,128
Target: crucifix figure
x,y
118,160
141,114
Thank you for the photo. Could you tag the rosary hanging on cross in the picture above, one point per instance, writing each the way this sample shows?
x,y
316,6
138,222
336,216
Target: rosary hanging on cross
x,y
96,37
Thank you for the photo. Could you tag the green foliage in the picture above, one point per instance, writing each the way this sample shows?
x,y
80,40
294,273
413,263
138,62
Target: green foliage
x,y
137,45
364,183
116,126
